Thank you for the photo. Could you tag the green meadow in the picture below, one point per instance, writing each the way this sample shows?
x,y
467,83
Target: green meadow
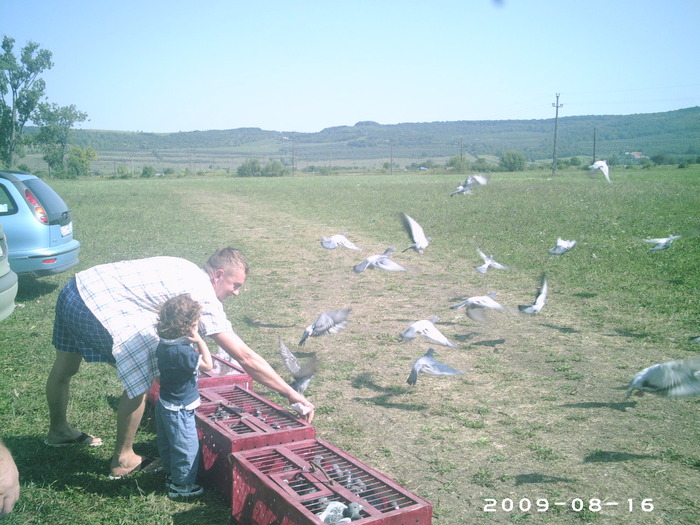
x,y
537,430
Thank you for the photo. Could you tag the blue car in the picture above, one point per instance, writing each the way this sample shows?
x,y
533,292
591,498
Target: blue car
x,y
37,224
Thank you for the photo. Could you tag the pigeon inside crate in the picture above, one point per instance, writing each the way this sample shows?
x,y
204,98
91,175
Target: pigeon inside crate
x,y
294,483
224,373
236,420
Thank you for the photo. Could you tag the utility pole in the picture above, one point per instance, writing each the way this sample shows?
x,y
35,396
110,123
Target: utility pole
x,y
556,123
594,132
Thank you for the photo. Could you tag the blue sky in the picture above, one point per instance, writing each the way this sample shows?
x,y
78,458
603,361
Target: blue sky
x,y
167,66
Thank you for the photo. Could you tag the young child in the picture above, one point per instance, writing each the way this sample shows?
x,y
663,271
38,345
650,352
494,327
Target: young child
x,y
178,363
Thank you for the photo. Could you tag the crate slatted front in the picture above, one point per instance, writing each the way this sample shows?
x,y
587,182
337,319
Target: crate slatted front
x,y
291,484
237,419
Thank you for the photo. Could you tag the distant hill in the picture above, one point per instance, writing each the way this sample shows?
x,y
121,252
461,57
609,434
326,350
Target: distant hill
x,y
371,144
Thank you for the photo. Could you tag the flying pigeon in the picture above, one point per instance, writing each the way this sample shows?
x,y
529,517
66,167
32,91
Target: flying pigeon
x,y
602,166
462,189
478,179
427,329
478,305
488,263
429,365
661,243
420,241
562,246
670,379
330,322
540,299
382,261
302,374
332,242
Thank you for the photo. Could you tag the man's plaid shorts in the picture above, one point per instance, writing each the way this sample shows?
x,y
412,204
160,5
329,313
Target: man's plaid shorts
x,y
77,330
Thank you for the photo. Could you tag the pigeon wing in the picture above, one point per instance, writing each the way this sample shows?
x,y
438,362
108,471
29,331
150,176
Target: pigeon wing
x,y
343,241
385,263
291,363
331,322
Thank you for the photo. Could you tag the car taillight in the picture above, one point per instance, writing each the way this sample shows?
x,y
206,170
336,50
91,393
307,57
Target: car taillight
x,y
39,211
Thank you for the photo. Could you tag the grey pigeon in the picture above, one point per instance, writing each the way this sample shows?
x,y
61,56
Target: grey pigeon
x,y
333,513
662,243
602,166
462,189
415,231
330,322
332,242
469,183
477,306
540,299
670,379
382,262
302,374
488,263
427,329
562,246
429,365
353,511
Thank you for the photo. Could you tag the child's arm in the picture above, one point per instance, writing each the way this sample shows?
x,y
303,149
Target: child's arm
x,y
206,363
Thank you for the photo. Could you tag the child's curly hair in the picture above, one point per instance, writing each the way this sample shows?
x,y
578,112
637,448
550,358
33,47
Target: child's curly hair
x,y
177,315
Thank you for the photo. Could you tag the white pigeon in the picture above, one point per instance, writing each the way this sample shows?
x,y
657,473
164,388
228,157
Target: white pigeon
x,y
602,166
427,329
477,306
478,179
662,243
540,299
429,365
382,261
562,246
330,322
332,242
488,263
670,379
415,231
302,374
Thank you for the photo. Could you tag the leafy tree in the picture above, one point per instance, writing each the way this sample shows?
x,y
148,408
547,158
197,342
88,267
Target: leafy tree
x,y
274,168
659,159
513,161
55,124
78,162
148,172
457,163
249,168
19,79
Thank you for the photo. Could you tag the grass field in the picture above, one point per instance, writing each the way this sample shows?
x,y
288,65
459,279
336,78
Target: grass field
x,y
539,414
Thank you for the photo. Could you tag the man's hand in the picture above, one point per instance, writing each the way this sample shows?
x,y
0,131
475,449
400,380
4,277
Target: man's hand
x,y
9,482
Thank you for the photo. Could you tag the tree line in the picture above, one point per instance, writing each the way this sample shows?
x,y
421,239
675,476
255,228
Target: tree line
x,y
23,100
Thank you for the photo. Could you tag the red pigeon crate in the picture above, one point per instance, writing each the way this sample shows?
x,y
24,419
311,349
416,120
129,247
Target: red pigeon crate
x,y
238,419
223,373
292,484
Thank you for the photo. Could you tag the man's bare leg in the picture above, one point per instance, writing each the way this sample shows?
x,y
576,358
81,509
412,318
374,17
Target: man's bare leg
x,y
65,366
129,416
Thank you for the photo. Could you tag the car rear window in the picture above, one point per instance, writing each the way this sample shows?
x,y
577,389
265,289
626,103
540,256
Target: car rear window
x,y
7,204
50,200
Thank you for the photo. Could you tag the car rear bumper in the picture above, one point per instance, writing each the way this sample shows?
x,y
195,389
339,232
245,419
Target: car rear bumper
x,y
8,292
40,263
